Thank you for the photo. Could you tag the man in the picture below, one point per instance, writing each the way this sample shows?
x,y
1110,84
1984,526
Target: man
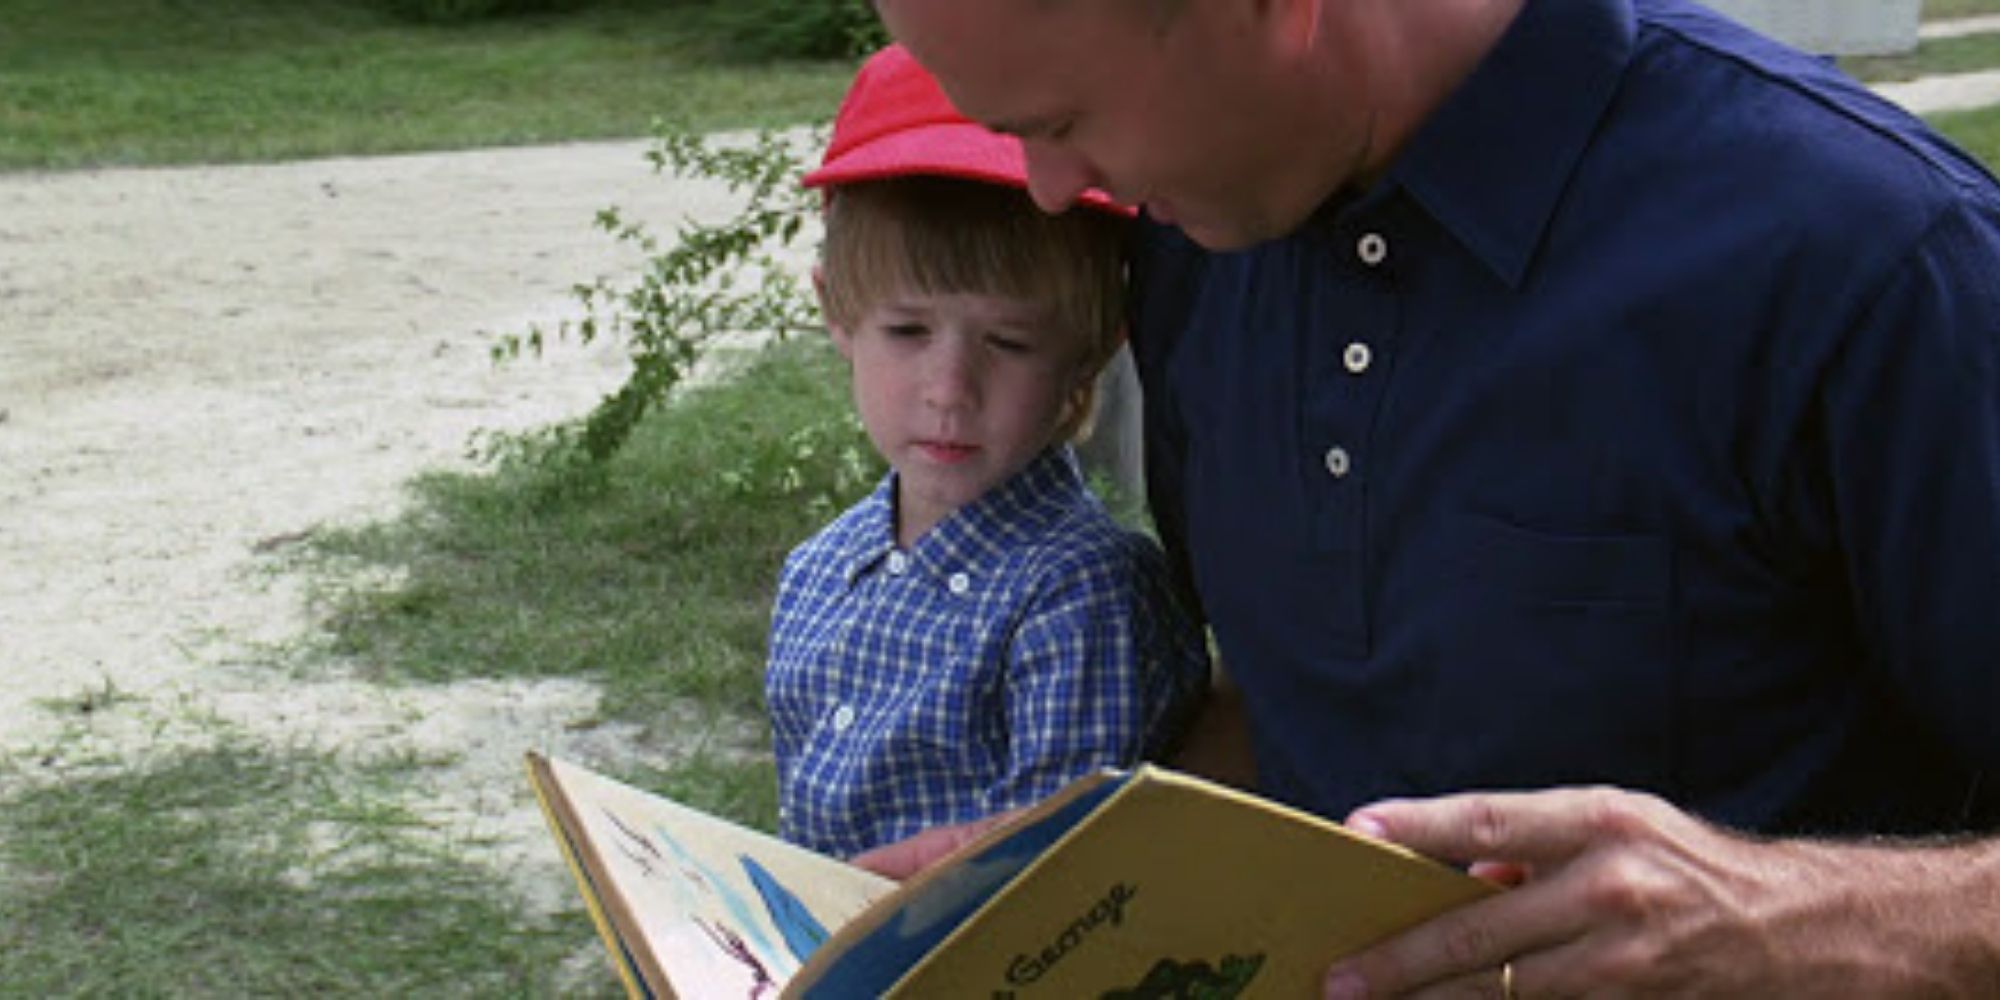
x,y
1581,396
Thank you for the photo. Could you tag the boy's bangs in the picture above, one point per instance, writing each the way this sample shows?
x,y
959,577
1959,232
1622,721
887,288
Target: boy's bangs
x,y
953,253
940,236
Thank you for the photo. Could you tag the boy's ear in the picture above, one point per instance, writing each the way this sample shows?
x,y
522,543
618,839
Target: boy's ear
x,y
841,341
1118,342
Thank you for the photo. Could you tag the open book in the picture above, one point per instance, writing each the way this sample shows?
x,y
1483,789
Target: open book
x,y
1147,883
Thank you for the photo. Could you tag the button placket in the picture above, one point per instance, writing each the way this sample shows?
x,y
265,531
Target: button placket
x,y
1352,345
1371,248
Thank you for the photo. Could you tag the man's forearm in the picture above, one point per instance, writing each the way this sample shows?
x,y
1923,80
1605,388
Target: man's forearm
x,y
1926,914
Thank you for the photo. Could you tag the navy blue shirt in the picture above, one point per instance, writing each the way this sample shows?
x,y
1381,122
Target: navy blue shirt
x,y
1640,426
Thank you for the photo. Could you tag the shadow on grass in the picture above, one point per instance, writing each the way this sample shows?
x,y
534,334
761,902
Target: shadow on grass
x,y
240,871
246,870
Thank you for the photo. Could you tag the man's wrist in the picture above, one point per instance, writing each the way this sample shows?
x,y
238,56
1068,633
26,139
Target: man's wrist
x,y
1912,917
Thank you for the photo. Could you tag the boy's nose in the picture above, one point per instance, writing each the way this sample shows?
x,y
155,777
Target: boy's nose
x,y
951,379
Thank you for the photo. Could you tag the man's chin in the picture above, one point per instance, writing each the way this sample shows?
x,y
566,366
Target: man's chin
x,y
1218,239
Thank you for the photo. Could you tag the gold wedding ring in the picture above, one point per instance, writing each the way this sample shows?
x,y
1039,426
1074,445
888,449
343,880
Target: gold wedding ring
x,y
1507,981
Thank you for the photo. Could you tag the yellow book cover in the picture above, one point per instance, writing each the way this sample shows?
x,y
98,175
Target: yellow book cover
x,y
1147,883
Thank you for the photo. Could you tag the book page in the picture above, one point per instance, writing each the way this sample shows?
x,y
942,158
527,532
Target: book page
x,y
717,909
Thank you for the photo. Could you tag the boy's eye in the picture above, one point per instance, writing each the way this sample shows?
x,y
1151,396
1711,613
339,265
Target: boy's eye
x,y
904,330
1010,345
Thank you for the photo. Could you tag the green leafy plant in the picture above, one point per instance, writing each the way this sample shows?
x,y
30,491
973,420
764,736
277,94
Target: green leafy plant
x,y
712,280
795,29
458,11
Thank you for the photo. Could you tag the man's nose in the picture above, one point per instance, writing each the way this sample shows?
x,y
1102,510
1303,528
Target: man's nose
x,y
1056,176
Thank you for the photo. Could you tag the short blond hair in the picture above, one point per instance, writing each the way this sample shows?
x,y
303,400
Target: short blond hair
x,y
944,236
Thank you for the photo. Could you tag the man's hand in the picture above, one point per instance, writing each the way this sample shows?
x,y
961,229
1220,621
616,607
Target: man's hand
x,y
907,857
1622,894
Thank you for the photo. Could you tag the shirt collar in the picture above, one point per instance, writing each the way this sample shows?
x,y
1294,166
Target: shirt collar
x,y
871,532
973,535
1491,164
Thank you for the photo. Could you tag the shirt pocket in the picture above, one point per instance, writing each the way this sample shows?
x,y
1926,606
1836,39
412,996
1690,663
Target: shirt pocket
x,y
1551,657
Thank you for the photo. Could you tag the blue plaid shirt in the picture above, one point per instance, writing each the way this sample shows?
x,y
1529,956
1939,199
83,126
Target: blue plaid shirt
x,y
1024,640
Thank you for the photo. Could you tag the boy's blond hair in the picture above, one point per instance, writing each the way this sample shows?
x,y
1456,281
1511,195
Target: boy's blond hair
x,y
942,236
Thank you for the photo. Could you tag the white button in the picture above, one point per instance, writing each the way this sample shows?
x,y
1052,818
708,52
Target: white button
x,y
1357,357
842,718
1372,249
959,583
898,562
1336,461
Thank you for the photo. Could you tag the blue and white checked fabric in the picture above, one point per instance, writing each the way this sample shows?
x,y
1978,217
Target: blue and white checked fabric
x,y
1024,640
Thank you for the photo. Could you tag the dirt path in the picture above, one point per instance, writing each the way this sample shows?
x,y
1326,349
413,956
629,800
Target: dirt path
x,y
200,364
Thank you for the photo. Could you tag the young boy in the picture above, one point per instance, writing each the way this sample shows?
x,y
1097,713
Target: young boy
x,y
978,631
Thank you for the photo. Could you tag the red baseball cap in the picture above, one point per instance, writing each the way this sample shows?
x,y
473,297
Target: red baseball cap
x,y
896,122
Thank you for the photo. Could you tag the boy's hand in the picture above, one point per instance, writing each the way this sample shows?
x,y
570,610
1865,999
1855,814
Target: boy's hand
x,y
907,857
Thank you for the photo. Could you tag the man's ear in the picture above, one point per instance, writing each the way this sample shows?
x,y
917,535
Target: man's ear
x,y
842,341
1293,24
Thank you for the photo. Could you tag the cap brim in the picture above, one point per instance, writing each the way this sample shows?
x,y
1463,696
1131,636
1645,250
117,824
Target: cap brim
x,y
945,149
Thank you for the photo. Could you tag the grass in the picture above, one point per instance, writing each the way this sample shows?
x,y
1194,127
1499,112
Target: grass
x,y
146,82
1977,131
242,871
123,82
251,871
1941,9
653,577
1963,54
